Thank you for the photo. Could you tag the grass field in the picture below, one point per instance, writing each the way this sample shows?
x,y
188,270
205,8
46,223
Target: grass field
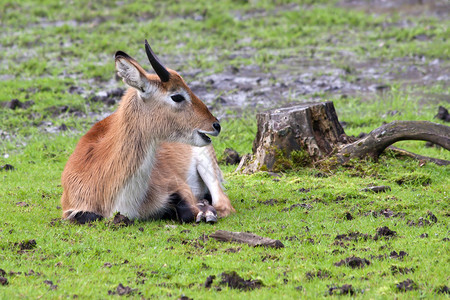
x,y
377,66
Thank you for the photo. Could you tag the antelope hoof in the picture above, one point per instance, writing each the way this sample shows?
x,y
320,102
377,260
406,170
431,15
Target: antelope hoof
x,y
207,213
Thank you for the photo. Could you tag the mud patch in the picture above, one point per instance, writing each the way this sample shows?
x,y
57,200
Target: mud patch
x,y
233,250
15,103
352,236
121,221
3,281
353,262
110,97
443,290
58,111
230,157
321,274
26,245
387,213
303,205
348,216
401,270
429,220
346,289
51,285
122,290
443,114
7,167
407,285
272,202
384,232
234,281
209,280
399,255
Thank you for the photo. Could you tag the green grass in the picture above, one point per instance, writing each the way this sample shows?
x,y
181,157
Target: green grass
x,y
49,46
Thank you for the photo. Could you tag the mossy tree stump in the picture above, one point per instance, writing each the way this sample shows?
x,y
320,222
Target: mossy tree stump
x,y
298,135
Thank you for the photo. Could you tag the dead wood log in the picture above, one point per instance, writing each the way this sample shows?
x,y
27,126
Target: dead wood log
x,y
379,139
246,238
311,133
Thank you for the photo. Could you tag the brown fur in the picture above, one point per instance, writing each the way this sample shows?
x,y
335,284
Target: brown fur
x,y
111,155
172,174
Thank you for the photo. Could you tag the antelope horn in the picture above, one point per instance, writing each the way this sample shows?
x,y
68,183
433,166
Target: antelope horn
x,y
160,70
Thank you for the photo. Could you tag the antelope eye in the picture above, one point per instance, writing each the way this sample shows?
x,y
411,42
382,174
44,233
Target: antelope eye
x,y
177,98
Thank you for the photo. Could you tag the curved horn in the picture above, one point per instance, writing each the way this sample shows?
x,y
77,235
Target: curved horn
x,y
160,70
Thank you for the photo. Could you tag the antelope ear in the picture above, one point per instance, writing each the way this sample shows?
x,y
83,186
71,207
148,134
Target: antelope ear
x,y
131,73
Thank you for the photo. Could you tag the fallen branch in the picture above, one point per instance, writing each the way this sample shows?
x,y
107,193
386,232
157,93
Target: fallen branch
x,y
401,152
379,139
245,238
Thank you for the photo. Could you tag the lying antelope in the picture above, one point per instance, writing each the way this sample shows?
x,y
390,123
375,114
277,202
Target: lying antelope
x,y
151,158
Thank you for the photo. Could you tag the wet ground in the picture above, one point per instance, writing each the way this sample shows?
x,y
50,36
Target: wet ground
x,y
304,77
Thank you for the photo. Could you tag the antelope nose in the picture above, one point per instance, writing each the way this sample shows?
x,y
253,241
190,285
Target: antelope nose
x,y
216,126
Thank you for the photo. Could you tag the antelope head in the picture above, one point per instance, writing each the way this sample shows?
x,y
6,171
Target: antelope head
x,y
164,103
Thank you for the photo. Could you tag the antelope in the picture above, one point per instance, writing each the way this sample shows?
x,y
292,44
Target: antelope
x,y
151,158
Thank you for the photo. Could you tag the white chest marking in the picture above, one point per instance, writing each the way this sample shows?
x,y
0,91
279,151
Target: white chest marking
x,y
133,193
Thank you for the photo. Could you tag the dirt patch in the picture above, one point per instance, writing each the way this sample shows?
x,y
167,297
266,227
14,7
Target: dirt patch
x,y
234,281
270,257
348,216
399,255
231,157
26,245
3,281
209,280
7,167
122,290
110,97
443,114
55,222
22,204
387,213
401,270
304,205
429,220
346,289
15,104
121,220
51,285
384,232
58,111
353,262
321,274
352,236
233,250
272,202
443,290
423,235
407,285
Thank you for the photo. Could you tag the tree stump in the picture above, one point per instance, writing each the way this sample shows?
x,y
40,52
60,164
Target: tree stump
x,y
299,135
310,130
